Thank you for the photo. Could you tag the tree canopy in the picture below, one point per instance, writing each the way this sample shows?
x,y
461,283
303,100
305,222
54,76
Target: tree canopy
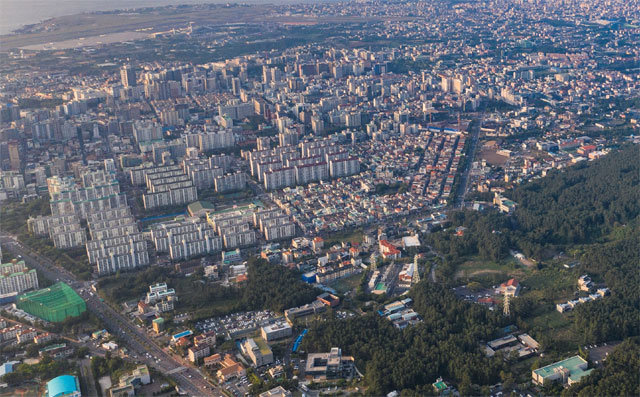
x,y
444,344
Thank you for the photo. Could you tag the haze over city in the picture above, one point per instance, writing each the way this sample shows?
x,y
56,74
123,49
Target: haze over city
x,y
300,198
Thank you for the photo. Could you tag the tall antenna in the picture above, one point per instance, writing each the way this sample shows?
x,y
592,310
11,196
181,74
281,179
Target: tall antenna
x,y
506,310
416,273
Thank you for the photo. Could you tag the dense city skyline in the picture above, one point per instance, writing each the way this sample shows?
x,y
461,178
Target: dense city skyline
x,y
322,198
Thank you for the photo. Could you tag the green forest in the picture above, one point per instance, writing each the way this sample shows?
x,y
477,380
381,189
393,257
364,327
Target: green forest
x,y
578,205
589,212
444,344
262,290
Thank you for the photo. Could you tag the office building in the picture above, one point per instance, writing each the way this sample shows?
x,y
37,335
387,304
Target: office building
x,y
276,331
257,350
331,365
567,371
128,76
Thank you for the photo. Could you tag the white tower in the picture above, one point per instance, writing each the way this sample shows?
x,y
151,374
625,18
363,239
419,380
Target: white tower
x,y
416,272
506,310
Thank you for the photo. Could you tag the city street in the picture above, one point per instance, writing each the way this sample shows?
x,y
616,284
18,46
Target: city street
x,y
189,380
464,176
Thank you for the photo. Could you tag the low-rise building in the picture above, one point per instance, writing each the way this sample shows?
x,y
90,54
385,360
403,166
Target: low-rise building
x,y
276,331
331,365
511,287
57,351
388,250
205,339
567,371
304,310
276,392
122,391
230,369
42,338
139,376
26,335
212,360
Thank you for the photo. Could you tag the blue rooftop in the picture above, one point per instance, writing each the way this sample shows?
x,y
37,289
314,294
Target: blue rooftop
x,y
8,367
62,385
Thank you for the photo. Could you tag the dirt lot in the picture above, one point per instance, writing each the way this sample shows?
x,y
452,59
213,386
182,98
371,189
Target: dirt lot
x,y
492,157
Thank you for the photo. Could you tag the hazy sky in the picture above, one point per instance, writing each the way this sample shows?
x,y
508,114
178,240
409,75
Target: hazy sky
x,y
16,13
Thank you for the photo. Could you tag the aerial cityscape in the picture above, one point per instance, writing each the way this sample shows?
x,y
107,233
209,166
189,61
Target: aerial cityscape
x,y
320,198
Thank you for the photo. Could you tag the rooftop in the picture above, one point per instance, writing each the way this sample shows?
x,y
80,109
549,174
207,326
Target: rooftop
x,y
62,385
262,345
572,364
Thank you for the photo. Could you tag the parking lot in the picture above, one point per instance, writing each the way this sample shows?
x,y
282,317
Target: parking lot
x,y
465,293
598,353
237,323
238,387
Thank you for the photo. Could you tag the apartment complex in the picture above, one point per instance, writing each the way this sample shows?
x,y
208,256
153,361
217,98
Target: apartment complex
x,y
309,161
116,242
15,277
185,238
274,224
234,228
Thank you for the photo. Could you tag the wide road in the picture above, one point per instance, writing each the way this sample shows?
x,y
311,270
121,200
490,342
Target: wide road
x,y
464,176
190,380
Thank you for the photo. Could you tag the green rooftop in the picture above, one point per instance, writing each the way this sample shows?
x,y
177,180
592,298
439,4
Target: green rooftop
x,y
578,376
440,386
264,348
572,364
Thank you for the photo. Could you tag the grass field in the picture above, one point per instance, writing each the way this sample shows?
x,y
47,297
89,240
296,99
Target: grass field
x,y
556,326
21,391
355,236
487,273
551,319
347,284
551,283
